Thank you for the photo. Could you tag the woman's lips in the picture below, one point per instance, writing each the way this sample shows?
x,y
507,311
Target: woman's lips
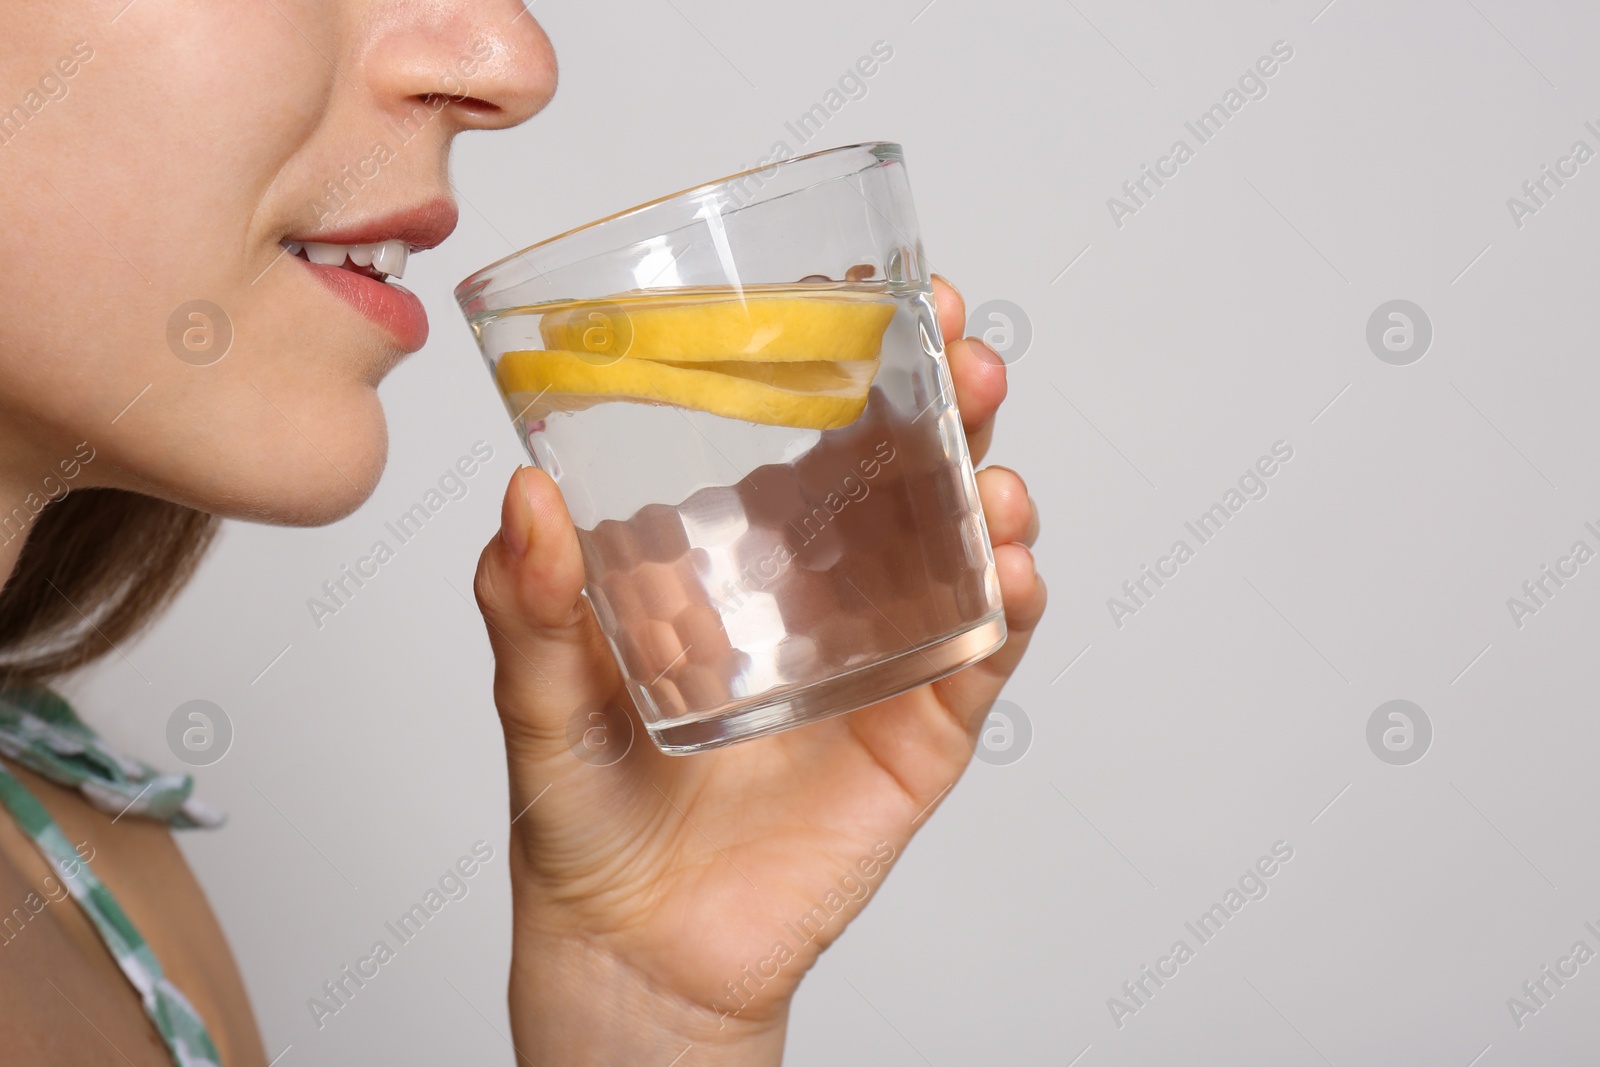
x,y
346,260
391,306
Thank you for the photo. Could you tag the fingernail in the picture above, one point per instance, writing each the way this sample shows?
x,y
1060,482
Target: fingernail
x,y
514,526
987,354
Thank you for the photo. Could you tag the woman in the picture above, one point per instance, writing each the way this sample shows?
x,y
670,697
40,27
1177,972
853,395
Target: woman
x,y
167,153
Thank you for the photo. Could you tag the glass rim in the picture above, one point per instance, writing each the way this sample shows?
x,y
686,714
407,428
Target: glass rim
x,y
475,282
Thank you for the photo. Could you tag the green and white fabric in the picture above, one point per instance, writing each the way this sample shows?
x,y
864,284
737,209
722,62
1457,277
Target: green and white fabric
x,y
40,731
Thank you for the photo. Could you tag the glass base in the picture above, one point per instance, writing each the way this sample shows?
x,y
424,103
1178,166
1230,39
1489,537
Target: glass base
x,y
847,692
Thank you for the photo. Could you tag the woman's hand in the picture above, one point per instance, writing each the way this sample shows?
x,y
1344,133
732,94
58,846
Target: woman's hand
x,y
663,902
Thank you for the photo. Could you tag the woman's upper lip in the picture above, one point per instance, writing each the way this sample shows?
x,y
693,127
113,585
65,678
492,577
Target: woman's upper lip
x,y
420,227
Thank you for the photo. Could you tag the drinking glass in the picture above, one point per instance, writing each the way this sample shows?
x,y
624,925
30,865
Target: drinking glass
x,y
742,393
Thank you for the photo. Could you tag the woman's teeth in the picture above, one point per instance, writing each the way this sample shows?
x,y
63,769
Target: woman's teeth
x,y
386,258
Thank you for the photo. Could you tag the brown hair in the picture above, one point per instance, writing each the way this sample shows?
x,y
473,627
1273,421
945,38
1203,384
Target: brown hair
x,y
98,566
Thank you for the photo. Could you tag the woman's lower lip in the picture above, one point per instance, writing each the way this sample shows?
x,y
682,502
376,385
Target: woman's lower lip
x,y
392,307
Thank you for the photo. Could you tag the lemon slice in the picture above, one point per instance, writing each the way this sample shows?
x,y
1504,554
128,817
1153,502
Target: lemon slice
x,y
763,327
815,395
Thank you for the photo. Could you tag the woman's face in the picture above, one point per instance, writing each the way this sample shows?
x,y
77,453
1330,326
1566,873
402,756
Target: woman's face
x,y
156,156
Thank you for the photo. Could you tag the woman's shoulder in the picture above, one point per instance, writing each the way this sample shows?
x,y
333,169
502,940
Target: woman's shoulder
x,y
139,863
89,793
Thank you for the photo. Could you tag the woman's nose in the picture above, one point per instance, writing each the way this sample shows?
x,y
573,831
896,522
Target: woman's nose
x,y
487,61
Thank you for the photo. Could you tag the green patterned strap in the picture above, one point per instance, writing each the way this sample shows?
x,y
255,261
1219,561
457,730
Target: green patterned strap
x,y
61,748
42,733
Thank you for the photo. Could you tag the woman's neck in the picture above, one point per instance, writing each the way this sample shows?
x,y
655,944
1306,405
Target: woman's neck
x,y
37,466
16,522
9,551
22,495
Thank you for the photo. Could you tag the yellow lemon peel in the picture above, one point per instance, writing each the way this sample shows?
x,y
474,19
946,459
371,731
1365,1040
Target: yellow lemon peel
x,y
763,327
813,395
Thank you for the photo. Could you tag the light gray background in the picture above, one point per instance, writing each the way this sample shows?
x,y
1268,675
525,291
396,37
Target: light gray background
x,y
1167,755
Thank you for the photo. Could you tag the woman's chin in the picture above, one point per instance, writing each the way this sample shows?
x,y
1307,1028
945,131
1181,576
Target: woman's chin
x,y
305,463
327,502
325,495
302,486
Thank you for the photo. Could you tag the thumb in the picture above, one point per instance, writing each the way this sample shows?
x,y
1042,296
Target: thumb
x,y
551,660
